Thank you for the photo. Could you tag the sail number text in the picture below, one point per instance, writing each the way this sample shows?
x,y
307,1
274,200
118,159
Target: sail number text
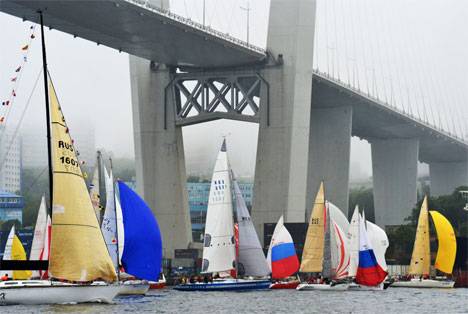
x,y
69,161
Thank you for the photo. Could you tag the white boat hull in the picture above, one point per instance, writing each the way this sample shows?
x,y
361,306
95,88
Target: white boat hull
x,y
424,283
134,287
357,287
323,287
46,292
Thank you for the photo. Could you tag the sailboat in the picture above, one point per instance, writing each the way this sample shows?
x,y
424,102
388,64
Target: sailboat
x,y
219,247
14,250
325,255
78,254
420,266
139,243
282,258
368,268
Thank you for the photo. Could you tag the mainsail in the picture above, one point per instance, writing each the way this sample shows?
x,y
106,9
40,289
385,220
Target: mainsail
x,y
109,220
313,253
142,254
447,250
353,238
421,257
38,242
282,256
78,251
251,260
219,244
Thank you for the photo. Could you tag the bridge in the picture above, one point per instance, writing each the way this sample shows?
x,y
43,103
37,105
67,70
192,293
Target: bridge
x,y
183,73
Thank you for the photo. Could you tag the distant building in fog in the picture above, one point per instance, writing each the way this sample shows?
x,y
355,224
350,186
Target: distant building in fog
x,y
34,146
10,161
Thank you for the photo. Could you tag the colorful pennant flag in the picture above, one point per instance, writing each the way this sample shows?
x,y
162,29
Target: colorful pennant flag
x,y
2,119
32,36
18,69
25,47
13,79
13,93
25,59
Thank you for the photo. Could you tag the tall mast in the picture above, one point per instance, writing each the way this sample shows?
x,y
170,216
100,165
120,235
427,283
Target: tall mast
x,y
46,94
98,165
116,223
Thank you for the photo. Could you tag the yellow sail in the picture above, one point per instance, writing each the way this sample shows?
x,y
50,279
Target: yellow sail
x,y
78,251
19,254
421,257
312,255
447,243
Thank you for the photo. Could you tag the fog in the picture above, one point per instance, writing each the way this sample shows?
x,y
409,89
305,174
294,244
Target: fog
x,y
411,53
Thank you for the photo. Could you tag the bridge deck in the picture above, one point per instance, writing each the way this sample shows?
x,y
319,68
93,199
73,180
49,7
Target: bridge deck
x,y
373,119
138,29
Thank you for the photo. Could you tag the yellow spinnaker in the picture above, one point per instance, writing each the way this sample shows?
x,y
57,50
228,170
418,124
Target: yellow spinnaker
x,y
18,254
421,257
77,249
312,255
447,243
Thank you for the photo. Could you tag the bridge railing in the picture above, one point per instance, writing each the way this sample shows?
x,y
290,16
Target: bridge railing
x,y
378,101
207,29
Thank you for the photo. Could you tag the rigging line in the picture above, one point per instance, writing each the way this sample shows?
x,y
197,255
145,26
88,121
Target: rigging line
x,y
35,181
335,26
345,41
20,121
17,82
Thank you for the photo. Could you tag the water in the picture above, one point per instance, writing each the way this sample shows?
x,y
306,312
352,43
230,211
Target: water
x,y
393,300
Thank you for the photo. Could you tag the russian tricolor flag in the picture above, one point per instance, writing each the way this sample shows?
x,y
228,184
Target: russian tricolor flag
x,y
282,253
369,272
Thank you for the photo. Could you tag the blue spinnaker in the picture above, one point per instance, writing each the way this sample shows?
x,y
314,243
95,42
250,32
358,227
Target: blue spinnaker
x,y
142,253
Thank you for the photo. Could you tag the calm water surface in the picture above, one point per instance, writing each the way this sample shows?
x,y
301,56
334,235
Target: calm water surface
x,y
396,300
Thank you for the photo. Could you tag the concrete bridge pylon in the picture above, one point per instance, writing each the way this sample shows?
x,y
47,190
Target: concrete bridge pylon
x,y
281,172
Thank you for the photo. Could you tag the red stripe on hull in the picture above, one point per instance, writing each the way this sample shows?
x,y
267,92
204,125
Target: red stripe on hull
x,y
285,285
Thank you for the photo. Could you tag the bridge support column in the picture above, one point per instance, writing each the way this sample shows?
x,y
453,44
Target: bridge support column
x,y
159,154
283,139
395,169
329,153
447,176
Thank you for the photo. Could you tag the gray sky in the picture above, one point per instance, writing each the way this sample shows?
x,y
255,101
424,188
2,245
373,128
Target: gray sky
x,y
403,50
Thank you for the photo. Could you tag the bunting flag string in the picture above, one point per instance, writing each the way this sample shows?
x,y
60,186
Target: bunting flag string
x,y
16,78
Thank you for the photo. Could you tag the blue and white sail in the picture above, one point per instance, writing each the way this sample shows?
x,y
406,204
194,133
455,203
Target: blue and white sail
x,y
142,253
251,260
109,221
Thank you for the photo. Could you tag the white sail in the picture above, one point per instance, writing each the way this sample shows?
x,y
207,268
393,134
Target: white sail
x,y
8,248
219,250
339,251
251,259
338,217
353,238
109,221
379,242
120,227
40,232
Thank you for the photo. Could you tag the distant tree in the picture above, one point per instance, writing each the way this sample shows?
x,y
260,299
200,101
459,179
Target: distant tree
x,y
364,197
193,179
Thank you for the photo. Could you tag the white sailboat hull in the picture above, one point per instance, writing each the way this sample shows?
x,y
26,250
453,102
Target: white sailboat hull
x,y
424,283
134,287
357,287
322,287
36,292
